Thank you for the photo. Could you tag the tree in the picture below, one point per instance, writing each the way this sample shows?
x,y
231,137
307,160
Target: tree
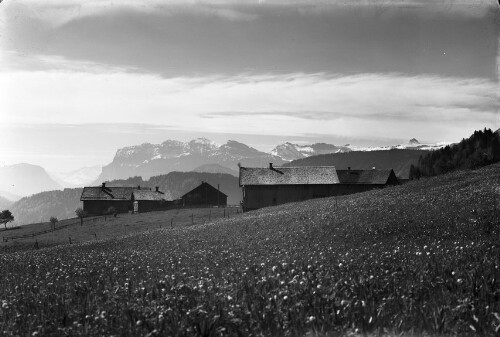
x,y
81,214
5,217
53,221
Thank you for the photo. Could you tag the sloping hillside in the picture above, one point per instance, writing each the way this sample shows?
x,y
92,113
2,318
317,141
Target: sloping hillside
x,y
420,258
41,206
215,168
398,159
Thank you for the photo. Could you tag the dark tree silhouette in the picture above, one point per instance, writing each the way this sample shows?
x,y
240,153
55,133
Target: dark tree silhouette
x,y
6,217
53,220
81,214
480,149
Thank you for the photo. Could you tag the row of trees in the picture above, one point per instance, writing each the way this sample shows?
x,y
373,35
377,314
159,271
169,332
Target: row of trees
x,y
480,149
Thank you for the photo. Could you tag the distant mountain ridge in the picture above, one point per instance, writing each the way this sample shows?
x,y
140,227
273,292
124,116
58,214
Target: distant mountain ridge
x,y
148,160
5,203
26,179
289,151
77,178
400,160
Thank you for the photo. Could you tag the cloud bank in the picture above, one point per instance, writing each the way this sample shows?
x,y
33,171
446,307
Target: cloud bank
x,y
296,103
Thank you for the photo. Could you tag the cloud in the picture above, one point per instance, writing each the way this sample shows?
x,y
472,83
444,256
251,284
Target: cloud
x,y
176,39
384,105
58,12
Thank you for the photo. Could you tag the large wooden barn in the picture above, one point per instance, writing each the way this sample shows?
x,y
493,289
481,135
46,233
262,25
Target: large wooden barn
x,y
98,199
278,185
271,186
147,200
204,195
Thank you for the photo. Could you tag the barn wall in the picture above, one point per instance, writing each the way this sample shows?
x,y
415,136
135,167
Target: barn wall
x,y
100,206
202,196
259,196
154,205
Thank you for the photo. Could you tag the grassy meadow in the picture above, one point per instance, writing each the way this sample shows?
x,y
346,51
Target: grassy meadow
x,y
104,227
422,258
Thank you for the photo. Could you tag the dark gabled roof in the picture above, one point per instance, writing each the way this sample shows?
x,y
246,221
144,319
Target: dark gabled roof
x,y
364,177
146,195
107,193
206,185
304,175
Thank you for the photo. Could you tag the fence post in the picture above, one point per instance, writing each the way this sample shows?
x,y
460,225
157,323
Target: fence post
x,y
192,219
224,213
95,235
210,215
172,223
69,239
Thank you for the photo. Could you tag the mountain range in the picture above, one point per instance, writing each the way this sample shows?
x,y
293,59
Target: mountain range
x,y
148,160
290,152
77,178
199,155
25,179
207,161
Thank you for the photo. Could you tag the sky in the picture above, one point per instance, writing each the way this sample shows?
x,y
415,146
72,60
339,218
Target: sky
x,y
80,79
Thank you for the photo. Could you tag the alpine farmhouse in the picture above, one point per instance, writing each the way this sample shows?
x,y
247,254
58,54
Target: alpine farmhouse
x,y
98,199
271,186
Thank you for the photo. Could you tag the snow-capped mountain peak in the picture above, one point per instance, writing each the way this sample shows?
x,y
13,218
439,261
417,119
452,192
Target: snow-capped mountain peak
x,y
154,159
289,151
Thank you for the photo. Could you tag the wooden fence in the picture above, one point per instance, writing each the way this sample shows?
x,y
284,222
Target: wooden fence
x,y
35,234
